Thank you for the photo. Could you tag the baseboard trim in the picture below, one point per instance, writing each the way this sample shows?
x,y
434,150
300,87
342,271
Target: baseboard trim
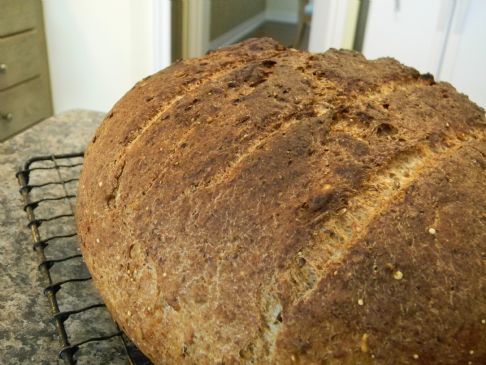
x,y
238,32
281,16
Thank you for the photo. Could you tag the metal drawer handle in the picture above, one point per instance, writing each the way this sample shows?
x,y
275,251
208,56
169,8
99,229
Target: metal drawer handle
x,y
6,116
3,68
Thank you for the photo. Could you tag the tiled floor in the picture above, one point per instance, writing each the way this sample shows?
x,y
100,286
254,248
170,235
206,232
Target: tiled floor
x,y
285,33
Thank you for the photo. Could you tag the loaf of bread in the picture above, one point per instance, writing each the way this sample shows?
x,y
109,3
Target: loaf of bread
x,y
263,205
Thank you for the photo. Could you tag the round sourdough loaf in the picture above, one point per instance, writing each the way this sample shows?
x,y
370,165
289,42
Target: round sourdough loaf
x,y
262,205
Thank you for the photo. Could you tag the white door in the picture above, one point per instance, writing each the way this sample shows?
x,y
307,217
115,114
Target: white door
x,y
412,31
465,54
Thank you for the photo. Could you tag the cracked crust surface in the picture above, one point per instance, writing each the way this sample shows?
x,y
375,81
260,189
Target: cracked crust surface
x,y
262,205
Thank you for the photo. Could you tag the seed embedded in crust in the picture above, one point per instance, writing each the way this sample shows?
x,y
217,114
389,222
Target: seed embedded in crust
x,y
432,231
97,240
360,301
483,321
415,356
398,275
100,184
364,343
471,352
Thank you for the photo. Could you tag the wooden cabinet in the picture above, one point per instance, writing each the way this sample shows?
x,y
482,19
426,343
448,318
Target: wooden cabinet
x,y
17,16
25,96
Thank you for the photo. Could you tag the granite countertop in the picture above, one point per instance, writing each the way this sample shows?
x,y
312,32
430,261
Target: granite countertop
x,y
25,332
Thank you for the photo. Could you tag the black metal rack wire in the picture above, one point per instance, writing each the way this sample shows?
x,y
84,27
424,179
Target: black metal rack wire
x,y
48,186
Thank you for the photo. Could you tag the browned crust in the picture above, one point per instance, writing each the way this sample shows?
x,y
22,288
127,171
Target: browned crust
x,y
265,205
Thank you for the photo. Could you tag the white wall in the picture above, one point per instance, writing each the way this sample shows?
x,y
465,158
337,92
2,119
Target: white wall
x,y
98,49
333,24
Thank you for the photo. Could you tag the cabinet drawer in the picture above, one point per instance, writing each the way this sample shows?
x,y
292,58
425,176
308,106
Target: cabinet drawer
x,y
17,15
19,58
24,105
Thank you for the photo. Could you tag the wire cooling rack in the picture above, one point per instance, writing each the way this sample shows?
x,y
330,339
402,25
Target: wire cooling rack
x,y
86,332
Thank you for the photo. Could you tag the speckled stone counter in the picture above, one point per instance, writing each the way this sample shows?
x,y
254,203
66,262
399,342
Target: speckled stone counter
x,y
26,336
